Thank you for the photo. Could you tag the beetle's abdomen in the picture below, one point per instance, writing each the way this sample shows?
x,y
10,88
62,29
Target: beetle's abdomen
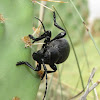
x,y
63,47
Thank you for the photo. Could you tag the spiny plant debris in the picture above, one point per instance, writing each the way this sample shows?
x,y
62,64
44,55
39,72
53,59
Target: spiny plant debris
x,y
16,98
27,41
2,19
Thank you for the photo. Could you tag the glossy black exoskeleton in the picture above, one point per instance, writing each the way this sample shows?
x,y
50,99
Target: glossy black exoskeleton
x,y
54,51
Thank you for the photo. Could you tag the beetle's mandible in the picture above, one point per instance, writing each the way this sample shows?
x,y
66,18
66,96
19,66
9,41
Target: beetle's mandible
x,y
54,51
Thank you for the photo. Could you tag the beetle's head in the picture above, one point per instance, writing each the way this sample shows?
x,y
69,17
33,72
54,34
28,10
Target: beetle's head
x,y
38,56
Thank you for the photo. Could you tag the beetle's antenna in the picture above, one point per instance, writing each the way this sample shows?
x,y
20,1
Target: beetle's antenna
x,y
46,78
46,86
41,23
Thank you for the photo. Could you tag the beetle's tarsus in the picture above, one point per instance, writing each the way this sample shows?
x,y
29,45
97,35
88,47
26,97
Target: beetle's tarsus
x,y
19,63
43,75
31,37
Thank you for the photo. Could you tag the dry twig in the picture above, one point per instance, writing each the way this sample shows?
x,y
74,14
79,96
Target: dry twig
x,y
89,89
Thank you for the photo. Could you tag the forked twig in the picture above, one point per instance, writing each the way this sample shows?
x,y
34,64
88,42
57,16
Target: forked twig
x,y
89,89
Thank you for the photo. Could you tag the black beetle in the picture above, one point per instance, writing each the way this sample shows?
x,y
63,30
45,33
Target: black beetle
x,y
54,51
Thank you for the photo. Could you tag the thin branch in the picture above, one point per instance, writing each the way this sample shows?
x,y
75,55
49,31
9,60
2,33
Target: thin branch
x,y
42,5
89,89
51,1
95,92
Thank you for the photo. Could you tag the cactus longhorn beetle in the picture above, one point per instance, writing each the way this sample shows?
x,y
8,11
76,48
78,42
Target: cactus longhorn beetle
x,y
54,51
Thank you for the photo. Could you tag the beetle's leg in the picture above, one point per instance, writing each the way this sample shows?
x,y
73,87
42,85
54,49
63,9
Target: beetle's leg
x,y
26,63
46,34
62,34
36,39
53,67
43,75
55,23
54,70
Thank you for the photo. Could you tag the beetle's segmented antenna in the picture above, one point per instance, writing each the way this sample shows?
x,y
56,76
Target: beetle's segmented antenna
x,y
41,23
46,87
46,78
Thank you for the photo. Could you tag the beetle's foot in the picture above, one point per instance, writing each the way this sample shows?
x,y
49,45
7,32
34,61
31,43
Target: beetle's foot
x,y
31,37
43,75
20,63
33,41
